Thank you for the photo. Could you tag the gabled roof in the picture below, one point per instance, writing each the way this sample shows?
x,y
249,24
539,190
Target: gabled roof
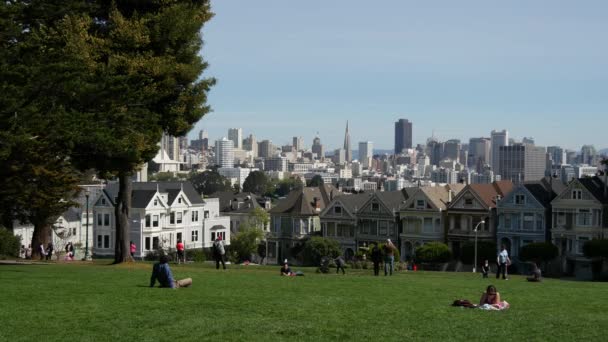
x,y
487,192
301,201
545,190
393,199
352,203
226,199
143,192
595,185
71,215
439,195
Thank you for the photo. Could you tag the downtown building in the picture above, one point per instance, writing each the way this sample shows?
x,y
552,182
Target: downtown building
x,y
522,162
224,153
403,135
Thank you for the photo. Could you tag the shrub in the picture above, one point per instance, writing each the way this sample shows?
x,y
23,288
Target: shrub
x,y
316,248
538,252
9,243
196,255
245,243
596,248
433,252
486,250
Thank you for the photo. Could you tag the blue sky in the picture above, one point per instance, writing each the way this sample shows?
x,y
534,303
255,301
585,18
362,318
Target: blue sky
x,y
458,68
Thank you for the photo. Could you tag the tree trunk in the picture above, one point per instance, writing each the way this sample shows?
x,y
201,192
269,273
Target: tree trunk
x,y
121,211
41,236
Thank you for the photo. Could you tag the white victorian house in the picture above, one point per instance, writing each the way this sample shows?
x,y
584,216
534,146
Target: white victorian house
x,y
161,214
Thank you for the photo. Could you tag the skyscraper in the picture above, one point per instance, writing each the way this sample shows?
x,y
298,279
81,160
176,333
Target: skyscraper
x,y
522,162
251,144
298,143
479,153
171,145
451,149
224,153
202,134
558,155
348,151
265,149
403,135
236,135
317,147
499,138
366,152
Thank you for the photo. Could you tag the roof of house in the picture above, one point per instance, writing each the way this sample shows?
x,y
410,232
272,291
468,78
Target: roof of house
x,y
144,191
394,199
352,202
545,190
488,192
302,201
439,195
227,198
595,185
71,215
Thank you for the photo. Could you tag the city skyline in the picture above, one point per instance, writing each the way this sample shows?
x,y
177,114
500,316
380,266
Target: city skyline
x,y
458,69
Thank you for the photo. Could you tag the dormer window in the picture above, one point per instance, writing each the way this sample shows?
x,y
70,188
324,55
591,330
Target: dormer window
x,y
155,202
468,201
420,204
577,194
520,199
179,200
103,201
375,207
338,210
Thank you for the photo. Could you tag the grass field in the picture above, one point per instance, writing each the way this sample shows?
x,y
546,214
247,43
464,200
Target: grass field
x,y
79,302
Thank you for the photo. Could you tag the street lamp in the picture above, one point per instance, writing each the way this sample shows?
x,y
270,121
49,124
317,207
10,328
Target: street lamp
x,y
87,193
475,230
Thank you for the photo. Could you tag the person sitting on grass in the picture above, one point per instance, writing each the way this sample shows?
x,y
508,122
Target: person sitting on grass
x,y
536,274
286,271
162,273
490,300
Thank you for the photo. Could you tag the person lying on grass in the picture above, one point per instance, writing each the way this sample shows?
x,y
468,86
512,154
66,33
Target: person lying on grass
x,y
162,273
286,271
491,300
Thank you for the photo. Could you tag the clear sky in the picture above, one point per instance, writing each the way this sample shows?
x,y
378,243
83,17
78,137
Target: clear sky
x,y
461,68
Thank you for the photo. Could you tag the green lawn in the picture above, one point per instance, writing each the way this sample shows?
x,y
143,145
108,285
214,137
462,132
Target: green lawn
x,y
77,302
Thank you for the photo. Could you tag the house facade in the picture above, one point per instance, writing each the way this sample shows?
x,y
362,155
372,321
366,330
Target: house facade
x,y
579,215
422,217
161,214
475,203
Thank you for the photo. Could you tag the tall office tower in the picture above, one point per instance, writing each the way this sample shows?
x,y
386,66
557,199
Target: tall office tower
x,y
339,157
451,149
224,152
435,150
265,149
202,134
558,155
522,162
588,154
183,143
298,143
236,135
479,153
276,164
366,152
317,147
528,141
171,145
499,138
347,148
250,144
571,157
403,135
464,155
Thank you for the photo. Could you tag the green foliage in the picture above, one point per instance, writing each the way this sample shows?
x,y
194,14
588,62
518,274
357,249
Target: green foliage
x,y
9,243
316,248
485,250
316,180
209,182
246,242
285,186
596,248
257,182
163,177
433,252
196,255
538,252
259,218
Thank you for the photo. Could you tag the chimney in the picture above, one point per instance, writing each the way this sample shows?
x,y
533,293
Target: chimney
x,y
317,204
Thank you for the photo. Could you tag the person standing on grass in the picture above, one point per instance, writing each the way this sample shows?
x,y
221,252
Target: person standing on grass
x,y
69,252
376,256
162,273
180,252
132,249
485,269
503,261
49,251
340,264
42,252
219,253
389,257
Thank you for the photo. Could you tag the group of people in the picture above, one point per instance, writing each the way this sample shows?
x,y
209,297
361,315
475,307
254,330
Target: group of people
x,y
502,263
387,254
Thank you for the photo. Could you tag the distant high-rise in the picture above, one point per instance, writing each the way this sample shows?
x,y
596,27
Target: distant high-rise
x,y
224,153
522,162
317,147
171,145
298,143
339,157
527,141
265,149
451,149
479,153
236,135
558,155
588,155
499,138
366,152
403,135
251,144
348,151
202,134
435,150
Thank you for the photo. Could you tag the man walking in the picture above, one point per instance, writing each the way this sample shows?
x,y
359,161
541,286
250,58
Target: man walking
x,y
180,252
219,253
503,261
340,264
376,256
389,257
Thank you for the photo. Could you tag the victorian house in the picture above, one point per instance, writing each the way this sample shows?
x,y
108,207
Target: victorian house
x,y
339,221
474,204
161,214
579,215
422,216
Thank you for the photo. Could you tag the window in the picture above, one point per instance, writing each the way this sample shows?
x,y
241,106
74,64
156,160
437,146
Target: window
x,y
577,194
99,241
103,201
304,227
508,222
365,227
468,201
580,243
338,210
73,231
373,228
420,204
179,200
206,215
331,229
427,225
172,218
375,206
437,225
179,218
520,199
155,242
528,221
516,218
391,228
561,218
154,220
106,219
382,228
276,224
194,237
147,244
148,221
155,202
195,216
99,220
214,235
106,241
539,222
296,226
584,217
